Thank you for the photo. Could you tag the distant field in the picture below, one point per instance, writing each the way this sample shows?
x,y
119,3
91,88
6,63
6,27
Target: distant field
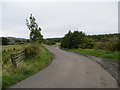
x,y
98,53
11,46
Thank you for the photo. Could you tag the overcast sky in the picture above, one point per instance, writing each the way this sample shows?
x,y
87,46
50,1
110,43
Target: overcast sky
x,y
57,18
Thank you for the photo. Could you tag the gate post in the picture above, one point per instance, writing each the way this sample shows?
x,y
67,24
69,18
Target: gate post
x,y
13,60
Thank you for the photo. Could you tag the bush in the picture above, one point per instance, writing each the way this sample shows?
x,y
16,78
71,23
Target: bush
x,y
32,50
100,45
87,44
113,44
73,39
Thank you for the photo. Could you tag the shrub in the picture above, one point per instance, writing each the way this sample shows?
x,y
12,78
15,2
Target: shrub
x,y
87,44
32,50
100,45
73,39
113,44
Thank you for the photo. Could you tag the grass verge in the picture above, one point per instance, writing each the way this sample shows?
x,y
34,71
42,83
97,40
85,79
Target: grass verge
x,y
26,68
98,53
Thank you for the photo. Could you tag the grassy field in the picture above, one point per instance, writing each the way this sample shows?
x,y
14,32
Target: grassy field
x,y
7,50
25,68
11,46
98,53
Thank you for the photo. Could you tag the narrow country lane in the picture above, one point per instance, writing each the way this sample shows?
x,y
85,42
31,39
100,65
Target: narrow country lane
x,y
69,70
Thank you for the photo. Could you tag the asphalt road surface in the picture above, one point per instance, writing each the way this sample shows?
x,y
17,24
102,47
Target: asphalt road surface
x,y
69,70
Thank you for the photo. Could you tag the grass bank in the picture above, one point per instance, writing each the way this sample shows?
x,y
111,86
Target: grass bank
x,y
98,53
25,68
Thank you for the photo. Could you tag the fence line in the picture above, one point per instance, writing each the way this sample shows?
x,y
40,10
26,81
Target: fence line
x,y
17,56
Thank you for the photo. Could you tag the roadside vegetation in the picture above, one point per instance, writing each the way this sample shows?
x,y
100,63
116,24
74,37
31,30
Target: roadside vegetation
x,y
33,58
52,41
104,46
98,53
25,68
36,56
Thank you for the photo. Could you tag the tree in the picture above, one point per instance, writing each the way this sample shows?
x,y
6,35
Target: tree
x,y
73,40
66,41
77,39
5,41
35,34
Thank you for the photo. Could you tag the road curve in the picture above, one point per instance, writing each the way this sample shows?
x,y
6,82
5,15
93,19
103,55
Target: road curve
x,y
69,70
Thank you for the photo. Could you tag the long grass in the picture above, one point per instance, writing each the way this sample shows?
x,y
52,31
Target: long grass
x,y
115,56
25,68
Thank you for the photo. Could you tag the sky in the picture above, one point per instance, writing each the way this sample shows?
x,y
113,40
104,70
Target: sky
x,y
57,18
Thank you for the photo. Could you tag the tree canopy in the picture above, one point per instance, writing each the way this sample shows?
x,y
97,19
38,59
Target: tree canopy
x,y
73,40
35,34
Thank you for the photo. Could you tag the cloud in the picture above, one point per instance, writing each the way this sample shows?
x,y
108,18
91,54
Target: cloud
x,y
56,19
22,32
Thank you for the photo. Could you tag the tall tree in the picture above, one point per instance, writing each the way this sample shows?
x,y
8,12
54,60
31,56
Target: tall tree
x,y
35,34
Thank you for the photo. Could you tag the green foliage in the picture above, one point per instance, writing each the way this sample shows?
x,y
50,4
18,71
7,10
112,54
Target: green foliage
x,y
6,47
26,68
7,50
35,34
32,50
22,41
49,42
98,53
100,45
52,41
107,42
4,41
113,44
103,37
76,40
66,41
88,43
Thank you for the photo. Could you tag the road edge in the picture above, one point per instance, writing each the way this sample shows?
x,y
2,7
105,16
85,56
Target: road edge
x,y
51,59
96,59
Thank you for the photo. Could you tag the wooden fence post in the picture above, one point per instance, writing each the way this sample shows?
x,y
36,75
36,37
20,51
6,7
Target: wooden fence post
x,y
13,60
25,54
